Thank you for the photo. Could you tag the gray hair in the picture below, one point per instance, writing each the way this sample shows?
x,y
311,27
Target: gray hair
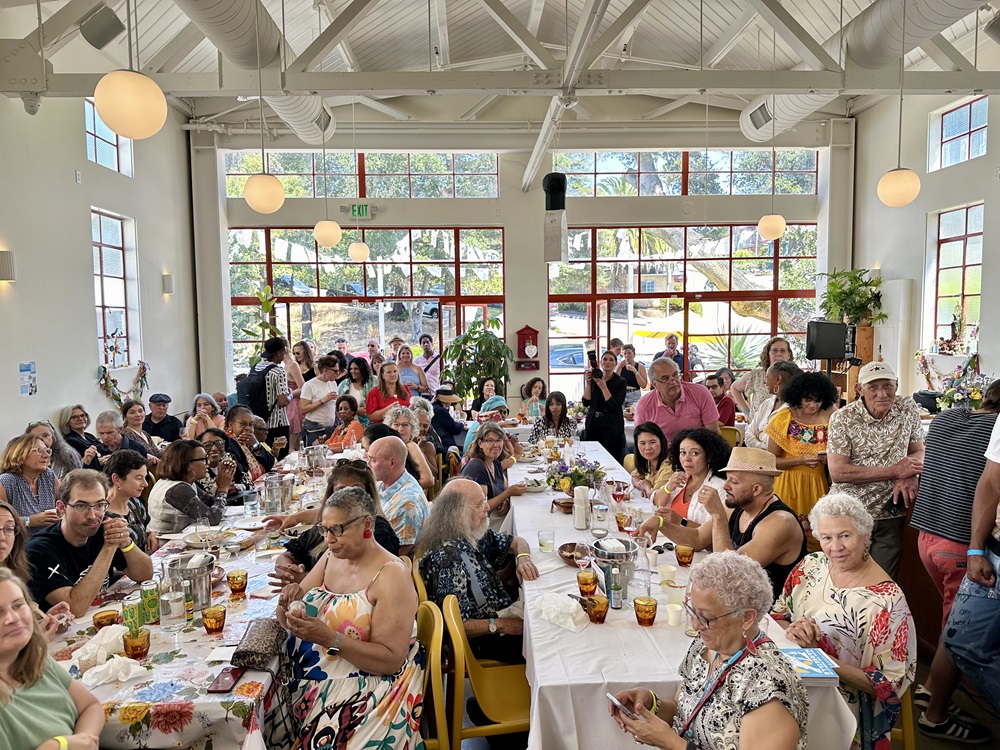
x,y
402,411
66,412
204,397
109,417
786,369
842,505
421,404
354,501
660,362
739,582
449,518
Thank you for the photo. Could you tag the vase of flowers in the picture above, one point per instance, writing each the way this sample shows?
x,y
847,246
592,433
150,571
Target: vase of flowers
x,y
577,472
576,410
965,387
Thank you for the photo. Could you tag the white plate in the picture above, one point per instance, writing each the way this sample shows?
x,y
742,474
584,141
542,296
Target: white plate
x,y
539,488
254,523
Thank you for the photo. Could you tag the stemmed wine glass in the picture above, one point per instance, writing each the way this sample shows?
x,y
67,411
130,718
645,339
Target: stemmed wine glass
x,y
203,530
582,555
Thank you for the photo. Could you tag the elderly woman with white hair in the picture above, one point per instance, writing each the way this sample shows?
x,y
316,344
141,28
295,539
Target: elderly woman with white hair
x,y
204,416
737,690
404,421
840,600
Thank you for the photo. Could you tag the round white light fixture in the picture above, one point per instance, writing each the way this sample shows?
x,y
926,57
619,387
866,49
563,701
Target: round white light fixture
x,y
131,104
264,193
771,226
358,251
327,233
898,187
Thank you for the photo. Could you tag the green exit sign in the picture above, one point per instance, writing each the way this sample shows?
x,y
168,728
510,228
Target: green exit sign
x,y
359,211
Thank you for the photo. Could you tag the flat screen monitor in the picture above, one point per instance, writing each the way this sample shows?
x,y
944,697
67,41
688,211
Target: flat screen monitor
x,y
826,340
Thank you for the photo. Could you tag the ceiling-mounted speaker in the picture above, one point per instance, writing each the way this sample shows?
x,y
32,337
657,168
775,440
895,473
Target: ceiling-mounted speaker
x,y
101,27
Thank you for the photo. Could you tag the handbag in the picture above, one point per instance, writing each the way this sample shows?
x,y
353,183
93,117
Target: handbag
x,y
261,642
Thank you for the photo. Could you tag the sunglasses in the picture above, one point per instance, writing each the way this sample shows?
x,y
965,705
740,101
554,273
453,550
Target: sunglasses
x,y
355,463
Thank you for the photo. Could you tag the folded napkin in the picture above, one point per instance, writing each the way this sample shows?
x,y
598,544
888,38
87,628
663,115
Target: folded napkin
x,y
117,668
612,545
563,611
548,563
263,592
106,642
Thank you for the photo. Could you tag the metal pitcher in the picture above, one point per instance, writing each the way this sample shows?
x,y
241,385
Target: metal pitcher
x,y
624,561
195,567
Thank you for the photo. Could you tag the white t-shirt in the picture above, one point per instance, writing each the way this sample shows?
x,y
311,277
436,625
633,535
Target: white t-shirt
x,y
314,391
993,454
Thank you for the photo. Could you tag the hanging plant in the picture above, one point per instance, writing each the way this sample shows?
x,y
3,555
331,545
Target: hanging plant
x,y
110,386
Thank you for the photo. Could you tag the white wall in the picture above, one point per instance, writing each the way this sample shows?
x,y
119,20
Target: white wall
x,y
48,313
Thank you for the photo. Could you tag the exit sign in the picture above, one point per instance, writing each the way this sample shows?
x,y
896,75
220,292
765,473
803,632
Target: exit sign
x,y
359,211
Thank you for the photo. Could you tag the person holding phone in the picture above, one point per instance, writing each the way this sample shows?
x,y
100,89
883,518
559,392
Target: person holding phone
x,y
604,394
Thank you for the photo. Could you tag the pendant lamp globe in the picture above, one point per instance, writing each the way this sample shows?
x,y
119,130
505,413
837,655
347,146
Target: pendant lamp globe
x,y
771,226
358,252
131,104
898,187
327,233
264,193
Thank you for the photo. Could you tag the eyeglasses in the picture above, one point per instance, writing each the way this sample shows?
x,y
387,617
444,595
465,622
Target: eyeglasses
x,y
203,458
494,441
705,622
238,425
667,378
9,531
213,445
356,463
43,451
47,423
89,507
337,530
78,416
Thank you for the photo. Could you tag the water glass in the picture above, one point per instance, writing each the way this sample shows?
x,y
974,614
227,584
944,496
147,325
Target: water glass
x,y
251,504
214,619
136,644
597,608
546,540
237,580
587,581
645,610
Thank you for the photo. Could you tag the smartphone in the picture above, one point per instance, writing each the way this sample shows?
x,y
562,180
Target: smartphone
x,y
227,678
627,711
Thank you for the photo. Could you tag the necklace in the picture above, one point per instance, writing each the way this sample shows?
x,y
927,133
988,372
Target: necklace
x,y
852,583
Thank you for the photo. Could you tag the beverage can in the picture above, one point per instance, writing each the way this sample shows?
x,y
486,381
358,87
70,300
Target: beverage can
x,y
132,613
149,592
188,601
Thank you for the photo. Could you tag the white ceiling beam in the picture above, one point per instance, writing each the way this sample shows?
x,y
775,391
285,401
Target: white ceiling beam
x,y
479,107
945,56
581,112
517,31
730,38
613,35
670,107
331,36
62,26
346,52
800,40
441,14
172,54
535,16
375,104
548,130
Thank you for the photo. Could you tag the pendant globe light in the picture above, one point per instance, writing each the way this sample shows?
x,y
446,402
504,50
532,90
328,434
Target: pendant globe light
x,y
358,251
900,186
772,226
263,192
128,102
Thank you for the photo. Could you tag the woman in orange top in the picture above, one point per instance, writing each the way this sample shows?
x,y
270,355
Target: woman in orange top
x,y
349,431
696,456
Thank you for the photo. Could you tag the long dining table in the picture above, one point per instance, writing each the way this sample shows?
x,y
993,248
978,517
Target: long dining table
x,y
570,673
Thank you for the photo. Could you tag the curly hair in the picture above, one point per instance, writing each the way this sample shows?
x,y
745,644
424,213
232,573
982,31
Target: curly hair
x,y
840,504
527,388
349,400
739,581
765,354
395,412
650,428
716,448
812,385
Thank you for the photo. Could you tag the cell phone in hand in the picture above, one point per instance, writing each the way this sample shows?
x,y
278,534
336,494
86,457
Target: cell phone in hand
x,y
621,707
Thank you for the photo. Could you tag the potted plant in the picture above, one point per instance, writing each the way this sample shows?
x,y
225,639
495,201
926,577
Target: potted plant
x,y
853,296
476,354
262,319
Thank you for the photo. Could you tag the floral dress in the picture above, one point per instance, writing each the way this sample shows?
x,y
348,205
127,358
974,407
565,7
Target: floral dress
x,y
333,705
867,627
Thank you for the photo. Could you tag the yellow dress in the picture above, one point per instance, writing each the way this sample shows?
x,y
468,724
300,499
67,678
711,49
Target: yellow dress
x,y
801,486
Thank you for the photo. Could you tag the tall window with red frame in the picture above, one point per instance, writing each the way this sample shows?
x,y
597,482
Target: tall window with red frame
x,y
958,276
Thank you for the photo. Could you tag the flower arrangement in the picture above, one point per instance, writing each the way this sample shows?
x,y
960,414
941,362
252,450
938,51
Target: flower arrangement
x,y
965,387
576,410
924,368
577,472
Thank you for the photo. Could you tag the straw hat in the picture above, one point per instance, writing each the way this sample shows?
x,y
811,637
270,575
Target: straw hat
x,y
752,460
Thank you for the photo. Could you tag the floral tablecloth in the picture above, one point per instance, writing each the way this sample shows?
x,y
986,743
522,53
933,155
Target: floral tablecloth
x,y
169,706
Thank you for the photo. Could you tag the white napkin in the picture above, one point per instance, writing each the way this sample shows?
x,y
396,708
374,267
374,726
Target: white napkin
x,y
263,592
222,653
117,668
612,545
106,642
563,611
514,610
547,563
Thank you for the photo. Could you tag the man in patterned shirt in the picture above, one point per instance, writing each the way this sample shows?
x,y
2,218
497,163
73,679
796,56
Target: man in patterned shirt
x,y
876,454
403,500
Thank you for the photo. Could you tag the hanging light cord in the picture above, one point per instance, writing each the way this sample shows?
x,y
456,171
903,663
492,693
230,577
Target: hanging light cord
x,y
128,25
260,86
902,63
354,139
326,191
774,116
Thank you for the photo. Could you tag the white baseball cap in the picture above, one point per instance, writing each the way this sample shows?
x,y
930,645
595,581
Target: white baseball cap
x,y
875,371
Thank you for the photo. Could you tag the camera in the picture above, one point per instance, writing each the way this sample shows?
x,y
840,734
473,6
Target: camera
x,y
595,366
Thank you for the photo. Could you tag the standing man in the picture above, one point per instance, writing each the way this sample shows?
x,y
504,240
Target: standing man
x,y
341,345
394,343
276,383
160,424
403,499
876,453
78,557
672,351
725,404
374,347
429,361
675,405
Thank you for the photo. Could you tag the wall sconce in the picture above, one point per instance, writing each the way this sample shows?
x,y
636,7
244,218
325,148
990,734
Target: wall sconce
x,y
168,283
8,268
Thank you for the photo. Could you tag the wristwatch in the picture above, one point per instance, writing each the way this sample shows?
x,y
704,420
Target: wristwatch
x,y
334,650
493,624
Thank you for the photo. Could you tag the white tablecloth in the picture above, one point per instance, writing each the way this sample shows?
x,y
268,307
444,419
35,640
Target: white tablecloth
x,y
570,673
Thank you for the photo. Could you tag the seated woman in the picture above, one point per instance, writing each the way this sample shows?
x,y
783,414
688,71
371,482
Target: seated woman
x,y
752,696
73,423
428,439
28,483
220,461
555,422
404,422
126,472
134,414
358,382
303,552
252,459
355,662
444,424
63,459
486,468
349,430
459,554
29,679
176,501
652,459
388,393
493,410
411,374
487,390
533,399
841,601
697,457
204,415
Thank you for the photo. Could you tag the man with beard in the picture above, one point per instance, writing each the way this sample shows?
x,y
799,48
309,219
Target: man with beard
x,y
78,557
753,521
460,554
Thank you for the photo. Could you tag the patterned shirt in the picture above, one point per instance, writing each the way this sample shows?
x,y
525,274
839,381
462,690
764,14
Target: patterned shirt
x,y
405,505
867,441
277,385
470,573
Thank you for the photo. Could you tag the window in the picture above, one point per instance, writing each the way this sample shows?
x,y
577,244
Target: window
x,y
651,173
959,268
104,146
115,289
963,132
303,173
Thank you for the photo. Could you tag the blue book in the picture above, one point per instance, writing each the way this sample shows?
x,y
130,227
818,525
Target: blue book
x,y
812,665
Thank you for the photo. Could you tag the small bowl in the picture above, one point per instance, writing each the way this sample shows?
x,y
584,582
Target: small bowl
x,y
568,553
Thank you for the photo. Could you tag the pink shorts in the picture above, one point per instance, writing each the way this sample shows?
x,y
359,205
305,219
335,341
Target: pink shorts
x,y
945,562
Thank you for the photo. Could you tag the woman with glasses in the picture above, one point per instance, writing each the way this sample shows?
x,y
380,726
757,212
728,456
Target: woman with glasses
x,y
358,382
485,467
355,662
126,471
216,442
176,500
737,689
750,387
253,460
134,414
404,422
27,482
63,459
73,423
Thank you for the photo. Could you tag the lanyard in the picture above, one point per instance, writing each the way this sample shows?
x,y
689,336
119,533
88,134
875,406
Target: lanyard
x,y
719,678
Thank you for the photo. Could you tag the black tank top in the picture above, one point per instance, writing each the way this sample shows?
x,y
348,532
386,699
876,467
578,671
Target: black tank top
x,y
631,382
775,571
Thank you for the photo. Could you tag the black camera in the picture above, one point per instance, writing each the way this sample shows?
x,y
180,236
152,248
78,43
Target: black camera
x,y
595,366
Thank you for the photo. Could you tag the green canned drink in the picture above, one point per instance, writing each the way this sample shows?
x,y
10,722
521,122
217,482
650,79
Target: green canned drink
x,y
132,613
150,594
188,600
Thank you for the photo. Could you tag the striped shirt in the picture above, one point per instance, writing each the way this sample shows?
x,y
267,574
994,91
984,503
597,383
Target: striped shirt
x,y
277,385
953,463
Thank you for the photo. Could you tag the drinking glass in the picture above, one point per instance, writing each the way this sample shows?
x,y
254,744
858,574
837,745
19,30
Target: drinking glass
x,y
684,554
587,581
203,530
106,617
546,540
237,580
597,608
214,619
136,644
582,555
645,610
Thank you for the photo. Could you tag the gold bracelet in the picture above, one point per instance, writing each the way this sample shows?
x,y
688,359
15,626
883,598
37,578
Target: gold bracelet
x,y
523,554
129,548
63,744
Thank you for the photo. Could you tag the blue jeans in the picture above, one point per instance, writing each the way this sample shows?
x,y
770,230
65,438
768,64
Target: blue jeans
x,y
972,633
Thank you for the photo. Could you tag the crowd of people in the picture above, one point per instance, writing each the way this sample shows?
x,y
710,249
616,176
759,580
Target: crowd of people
x,y
804,523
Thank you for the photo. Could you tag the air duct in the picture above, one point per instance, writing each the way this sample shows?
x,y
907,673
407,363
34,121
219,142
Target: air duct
x,y
872,41
229,25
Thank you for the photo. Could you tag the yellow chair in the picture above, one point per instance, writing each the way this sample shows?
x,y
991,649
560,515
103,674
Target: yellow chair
x,y
418,582
733,436
408,563
430,632
502,692
629,462
904,731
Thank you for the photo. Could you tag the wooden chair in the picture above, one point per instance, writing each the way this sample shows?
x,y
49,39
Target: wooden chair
x,y
418,582
733,436
904,730
408,563
502,692
430,632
